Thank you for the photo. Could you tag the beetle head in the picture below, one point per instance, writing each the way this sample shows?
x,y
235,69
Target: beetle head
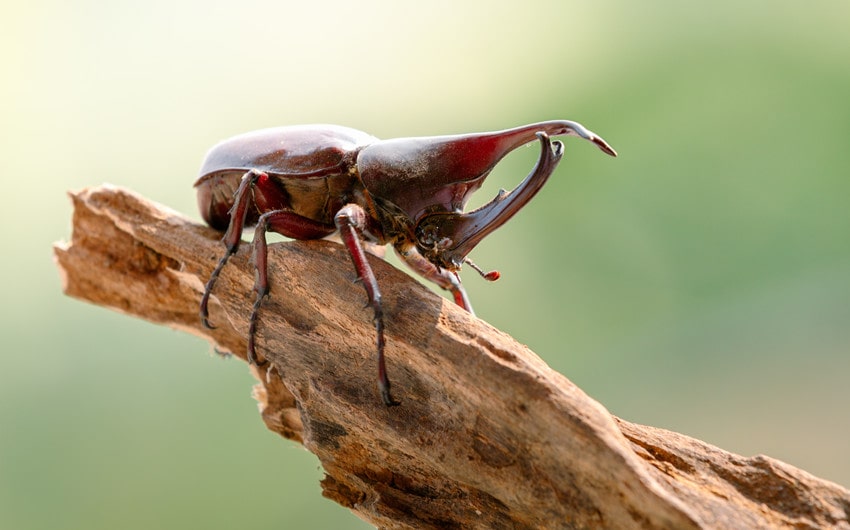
x,y
431,179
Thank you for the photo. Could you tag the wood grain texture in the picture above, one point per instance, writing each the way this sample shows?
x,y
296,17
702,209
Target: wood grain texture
x,y
487,435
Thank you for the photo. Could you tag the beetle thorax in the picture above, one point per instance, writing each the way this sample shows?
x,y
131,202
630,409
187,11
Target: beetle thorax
x,y
395,224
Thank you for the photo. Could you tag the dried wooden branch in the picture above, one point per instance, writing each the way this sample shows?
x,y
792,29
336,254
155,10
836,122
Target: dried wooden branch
x,y
487,435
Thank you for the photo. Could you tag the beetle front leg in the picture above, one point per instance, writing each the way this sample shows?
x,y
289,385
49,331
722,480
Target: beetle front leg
x,y
446,279
351,221
231,238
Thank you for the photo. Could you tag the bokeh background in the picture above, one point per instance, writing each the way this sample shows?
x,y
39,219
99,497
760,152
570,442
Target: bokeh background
x,y
700,282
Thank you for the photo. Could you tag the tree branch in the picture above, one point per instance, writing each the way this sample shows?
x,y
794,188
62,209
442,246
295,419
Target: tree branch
x,y
486,436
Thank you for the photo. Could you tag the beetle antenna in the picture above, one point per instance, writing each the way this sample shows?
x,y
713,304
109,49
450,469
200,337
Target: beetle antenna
x,y
490,276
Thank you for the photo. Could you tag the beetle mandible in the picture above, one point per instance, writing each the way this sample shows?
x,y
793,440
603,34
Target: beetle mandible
x,y
309,181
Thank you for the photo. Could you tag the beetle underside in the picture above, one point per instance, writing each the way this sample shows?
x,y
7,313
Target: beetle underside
x,y
308,182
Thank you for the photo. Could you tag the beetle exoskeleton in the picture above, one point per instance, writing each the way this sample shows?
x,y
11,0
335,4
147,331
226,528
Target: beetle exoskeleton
x,y
309,181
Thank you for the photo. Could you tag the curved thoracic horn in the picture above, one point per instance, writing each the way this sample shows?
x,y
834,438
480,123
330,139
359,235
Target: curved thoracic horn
x,y
447,237
428,174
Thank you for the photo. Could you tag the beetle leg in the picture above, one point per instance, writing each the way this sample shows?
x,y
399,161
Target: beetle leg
x,y
446,279
351,222
231,238
284,222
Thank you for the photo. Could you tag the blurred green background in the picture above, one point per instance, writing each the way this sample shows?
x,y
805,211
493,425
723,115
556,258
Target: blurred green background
x,y
700,282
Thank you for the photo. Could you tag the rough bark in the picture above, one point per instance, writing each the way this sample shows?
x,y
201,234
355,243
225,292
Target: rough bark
x,y
487,435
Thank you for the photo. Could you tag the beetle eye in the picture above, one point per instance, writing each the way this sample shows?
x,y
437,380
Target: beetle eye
x,y
427,236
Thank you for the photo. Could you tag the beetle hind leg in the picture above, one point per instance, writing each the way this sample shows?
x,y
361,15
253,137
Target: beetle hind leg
x,y
290,224
205,299
232,238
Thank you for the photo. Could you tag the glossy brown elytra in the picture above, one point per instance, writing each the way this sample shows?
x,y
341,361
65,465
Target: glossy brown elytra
x,y
307,182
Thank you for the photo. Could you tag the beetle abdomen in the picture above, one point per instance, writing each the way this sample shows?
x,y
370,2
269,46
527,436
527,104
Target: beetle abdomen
x,y
215,198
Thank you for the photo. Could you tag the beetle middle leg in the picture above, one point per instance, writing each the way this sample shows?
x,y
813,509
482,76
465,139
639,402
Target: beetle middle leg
x,y
351,221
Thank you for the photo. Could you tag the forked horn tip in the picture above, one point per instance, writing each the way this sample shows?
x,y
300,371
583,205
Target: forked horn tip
x,y
603,146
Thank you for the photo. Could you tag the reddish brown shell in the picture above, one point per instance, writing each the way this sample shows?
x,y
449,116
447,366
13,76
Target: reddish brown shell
x,y
295,153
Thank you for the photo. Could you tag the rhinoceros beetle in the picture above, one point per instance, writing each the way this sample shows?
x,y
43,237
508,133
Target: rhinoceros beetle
x,y
307,182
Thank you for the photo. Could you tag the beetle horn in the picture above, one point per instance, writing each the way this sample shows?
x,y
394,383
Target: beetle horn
x,y
420,173
571,128
456,234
